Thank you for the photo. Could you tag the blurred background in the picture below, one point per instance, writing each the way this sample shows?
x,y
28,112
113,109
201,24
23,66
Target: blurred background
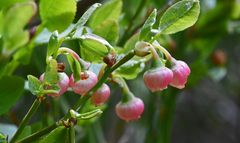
x,y
206,111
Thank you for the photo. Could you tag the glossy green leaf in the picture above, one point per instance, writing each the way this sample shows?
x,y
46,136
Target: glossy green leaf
x,y
130,69
130,44
84,18
51,74
93,48
179,16
15,20
109,11
58,135
147,27
34,85
75,67
109,30
57,14
11,88
8,3
53,45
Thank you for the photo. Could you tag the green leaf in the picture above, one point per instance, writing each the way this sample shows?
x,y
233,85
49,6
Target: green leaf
x,y
93,47
130,69
11,88
7,3
3,138
51,74
96,38
130,44
15,20
53,45
84,18
75,67
147,27
16,41
109,11
57,14
23,55
34,85
179,16
58,135
109,30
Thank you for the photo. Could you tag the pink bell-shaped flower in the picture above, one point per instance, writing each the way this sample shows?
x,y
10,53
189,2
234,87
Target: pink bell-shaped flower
x,y
88,80
63,83
181,71
158,79
101,95
130,109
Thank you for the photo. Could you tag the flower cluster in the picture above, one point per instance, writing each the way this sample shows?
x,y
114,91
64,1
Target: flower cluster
x,y
156,79
88,81
159,77
130,107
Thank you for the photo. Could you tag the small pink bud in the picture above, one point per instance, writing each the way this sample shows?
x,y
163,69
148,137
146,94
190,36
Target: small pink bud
x,y
88,80
63,83
181,72
157,79
130,110
101,95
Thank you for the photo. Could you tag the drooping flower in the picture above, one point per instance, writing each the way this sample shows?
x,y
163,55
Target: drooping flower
x,y
158,79
181,71
101,95
87,81
63,83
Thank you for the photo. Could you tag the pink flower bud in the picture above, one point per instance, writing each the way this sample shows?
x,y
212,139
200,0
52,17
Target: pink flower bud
x,y
157,79
101,95
63,83
88,80
181,72
130,110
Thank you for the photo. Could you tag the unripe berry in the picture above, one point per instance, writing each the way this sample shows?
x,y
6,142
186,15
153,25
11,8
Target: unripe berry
x,y
130,110
87,81
63,83
101,95
181,71
157,79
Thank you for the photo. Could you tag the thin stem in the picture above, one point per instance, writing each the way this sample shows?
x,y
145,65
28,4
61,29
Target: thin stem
x,y
163,50
38,134
124,86
71,134
154,53
26,119
64,50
